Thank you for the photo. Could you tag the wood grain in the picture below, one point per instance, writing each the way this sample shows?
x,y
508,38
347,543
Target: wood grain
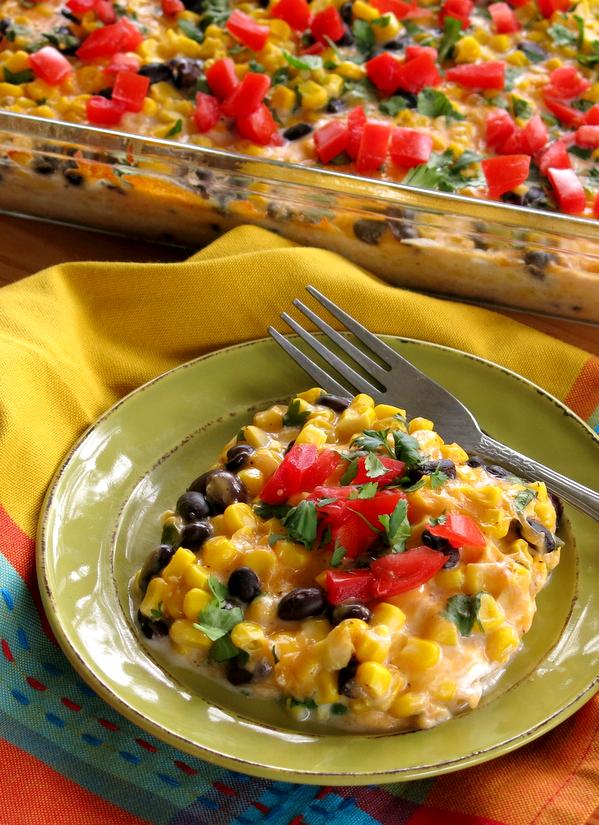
x,y
27,246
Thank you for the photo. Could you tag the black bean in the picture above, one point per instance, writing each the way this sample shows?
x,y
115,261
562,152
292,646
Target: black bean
x,y
475,461
107,93
73,176
530,48
44,165
195,534
347,39
151,628
559,508
262,670
185,71
426,468
244,584
535,197
497,471
4,26
192,506
345,678
347,13
65,41
220,488
297,131
236,674
237,456
157,72
537,262
441,545
401,224
369,231
350,610
154,563
335,105
302,603
398,45
334,402
546,542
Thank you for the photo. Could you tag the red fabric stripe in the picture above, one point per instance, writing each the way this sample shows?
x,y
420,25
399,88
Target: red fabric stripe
x,y
186,768
143,744
224,789
261,807
19,549
436,816
583,397
108,725
68,703
7,651
33,683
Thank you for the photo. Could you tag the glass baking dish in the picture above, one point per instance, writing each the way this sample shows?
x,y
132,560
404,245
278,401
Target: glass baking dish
x,y
429,241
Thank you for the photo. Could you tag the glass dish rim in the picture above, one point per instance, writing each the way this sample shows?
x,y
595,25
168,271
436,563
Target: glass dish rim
x,y
329,180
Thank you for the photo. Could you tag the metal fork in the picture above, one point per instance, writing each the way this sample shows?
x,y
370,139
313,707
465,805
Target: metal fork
x,y
400,380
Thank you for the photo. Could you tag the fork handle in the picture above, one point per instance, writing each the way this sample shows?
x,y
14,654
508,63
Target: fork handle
x,y
577,494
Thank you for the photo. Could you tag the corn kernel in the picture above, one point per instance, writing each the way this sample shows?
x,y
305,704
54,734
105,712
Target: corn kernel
x,y
490,613
373,678
593,93
553,63
270,420
194,602
454,453
261,560
501,643
364,11
182,632
179,563
374,644
388,411
255,436
195,576
420,424
443,631
451,579
283,99
218,524
517,58
444,691
312,395
333,83
153,597
173,600
18,61
467,50
351,422
384,34
389,615
408,704
419,654
313,96
500,42
351,71
248,636
252,479
315,629
310,434
238,515
279,29
326,688
219,553
292,555
337,648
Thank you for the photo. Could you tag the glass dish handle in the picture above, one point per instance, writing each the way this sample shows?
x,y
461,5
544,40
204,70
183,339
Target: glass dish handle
x,y
571,491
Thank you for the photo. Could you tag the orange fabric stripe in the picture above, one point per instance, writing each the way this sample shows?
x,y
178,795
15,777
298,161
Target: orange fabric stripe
x,y
36,794
594,818
579,399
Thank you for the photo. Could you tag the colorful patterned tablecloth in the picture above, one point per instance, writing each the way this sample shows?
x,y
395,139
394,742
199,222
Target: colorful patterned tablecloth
x,y
76,338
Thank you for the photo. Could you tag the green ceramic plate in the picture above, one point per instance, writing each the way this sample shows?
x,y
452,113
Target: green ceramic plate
x,y
100,519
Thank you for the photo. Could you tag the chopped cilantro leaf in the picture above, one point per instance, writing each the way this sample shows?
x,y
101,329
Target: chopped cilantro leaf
x,y
368,490
465,159
434,520
580,27
523,499
303,703
411,488
322,502
434,104
215,620
381,21
157,611
585,154
18,77
338,709
562,36
295,416
363,36
280,76
393,105
271,510
406,449
223,649
594,173
520,108
240,435
189,30
512,73
218,589
438,479
462,610
306,62
254,66
397,527
452,29
534,53
350,473
175,129
339,554
374,466
275,537
372,440
300,522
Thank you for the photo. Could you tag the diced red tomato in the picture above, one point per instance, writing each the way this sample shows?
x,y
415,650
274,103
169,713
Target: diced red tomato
x,y
513,145
122,62
458,9
409,147
396,7
206,113
548,7
534,135
592,116
105,11
381,504
415,74
81,6
499,126
587,137
564,113
395,469
130,89
416,51
315,48
327,462
171,7
566,83
330,140
383,71
289,476
568,190
504,19
373,146
327,23
355,124
295,13
399,572
247,96
596,206
50,65
504,173
517,3
103,112
221,77
329,491
122,36
554,156
460,531
353,584
354,535
245,29
490,75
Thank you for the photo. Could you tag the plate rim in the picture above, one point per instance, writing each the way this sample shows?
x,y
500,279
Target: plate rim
x,y
233,762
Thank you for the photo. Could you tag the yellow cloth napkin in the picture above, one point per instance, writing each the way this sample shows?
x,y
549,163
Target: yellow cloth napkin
x,y
77,337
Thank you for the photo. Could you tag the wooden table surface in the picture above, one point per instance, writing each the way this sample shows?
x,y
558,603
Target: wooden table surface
x,y
27,246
